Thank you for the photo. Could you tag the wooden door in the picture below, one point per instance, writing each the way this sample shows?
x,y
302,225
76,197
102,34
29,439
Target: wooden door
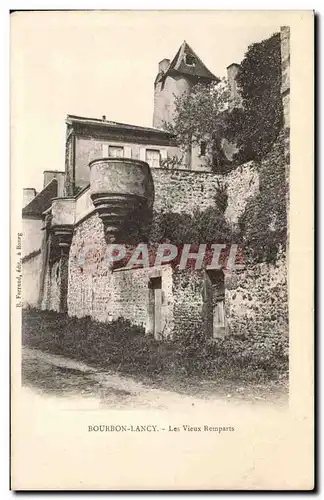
x,y
214,303
155,307
157,313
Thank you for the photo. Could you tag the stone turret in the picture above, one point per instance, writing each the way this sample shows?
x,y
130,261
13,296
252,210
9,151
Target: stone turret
x,y
122,192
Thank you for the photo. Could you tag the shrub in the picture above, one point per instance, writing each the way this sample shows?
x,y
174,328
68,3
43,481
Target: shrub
x,y
251,357
202,226
124,347
263,224
258,124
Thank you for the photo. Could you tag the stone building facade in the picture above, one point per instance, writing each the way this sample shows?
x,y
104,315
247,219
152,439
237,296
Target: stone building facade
x,y
115,185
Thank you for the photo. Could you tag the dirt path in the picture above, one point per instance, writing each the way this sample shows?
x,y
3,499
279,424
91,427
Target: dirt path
x,y
53,375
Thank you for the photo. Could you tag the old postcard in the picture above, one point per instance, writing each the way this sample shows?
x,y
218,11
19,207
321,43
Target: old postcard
x,y
162,250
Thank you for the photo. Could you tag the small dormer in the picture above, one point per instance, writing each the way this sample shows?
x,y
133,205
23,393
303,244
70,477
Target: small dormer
x,y
190,60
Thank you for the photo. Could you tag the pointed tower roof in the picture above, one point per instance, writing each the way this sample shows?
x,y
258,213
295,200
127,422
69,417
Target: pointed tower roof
x,y
187,62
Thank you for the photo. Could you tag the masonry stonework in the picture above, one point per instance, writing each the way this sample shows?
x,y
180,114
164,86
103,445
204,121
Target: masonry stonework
x,y
188,300
104,294
256,299
242,184
89,287
67,249
183,190
52,287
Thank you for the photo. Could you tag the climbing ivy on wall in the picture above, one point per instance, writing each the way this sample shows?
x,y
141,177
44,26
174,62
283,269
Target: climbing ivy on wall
x,y
257,130
255,126
262,228
263,225
203,115
208,226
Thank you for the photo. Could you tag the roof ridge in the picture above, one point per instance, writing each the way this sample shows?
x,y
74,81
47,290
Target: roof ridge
x,y
99,121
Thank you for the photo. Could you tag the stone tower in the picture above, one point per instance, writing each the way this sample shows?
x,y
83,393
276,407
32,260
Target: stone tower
x,y
173,79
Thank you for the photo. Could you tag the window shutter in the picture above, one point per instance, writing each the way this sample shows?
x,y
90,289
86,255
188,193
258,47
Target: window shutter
x,y
142,154
127,152
163,154
105,150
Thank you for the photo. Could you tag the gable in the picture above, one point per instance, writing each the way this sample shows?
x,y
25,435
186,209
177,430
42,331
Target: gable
x,y
187,62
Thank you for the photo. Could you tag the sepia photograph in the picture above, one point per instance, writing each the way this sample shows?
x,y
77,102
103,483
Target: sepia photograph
x,y
152,250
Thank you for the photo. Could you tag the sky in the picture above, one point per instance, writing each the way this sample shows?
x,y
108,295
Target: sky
x,y
104,63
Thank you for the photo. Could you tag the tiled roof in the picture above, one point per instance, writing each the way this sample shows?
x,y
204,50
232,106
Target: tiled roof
x,y
42,200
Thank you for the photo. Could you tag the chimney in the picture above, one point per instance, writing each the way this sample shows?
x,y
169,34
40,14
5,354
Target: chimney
x,y
163,65
59,176
162,96
28,195
103,118
235,97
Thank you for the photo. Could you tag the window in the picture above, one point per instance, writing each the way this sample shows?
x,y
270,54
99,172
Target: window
x,y
152,157
203,146
190,60
116,151
229,149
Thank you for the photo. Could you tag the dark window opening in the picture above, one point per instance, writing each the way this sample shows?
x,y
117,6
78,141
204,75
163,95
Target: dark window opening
x,y
216,277
190,60
155,283
203,147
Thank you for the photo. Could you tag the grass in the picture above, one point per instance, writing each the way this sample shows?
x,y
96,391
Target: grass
x,y
235,366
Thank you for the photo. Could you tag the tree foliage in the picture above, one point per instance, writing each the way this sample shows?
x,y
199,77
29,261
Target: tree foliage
x,y
204,115
208,226
263,224
197,114
256,125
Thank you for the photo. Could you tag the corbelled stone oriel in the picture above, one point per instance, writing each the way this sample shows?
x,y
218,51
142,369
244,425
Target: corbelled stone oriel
x,y
122,191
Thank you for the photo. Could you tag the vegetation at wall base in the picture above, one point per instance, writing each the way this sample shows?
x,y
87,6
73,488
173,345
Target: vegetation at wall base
x,y
123,347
